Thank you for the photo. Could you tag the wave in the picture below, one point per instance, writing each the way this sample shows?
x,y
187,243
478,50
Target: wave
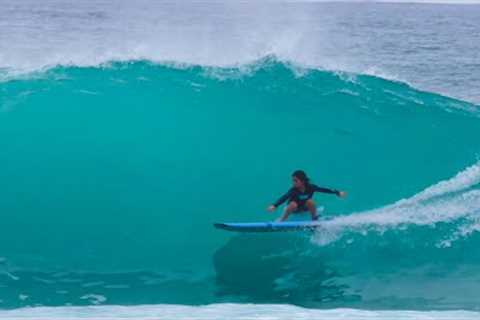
x,y
313,35
112,178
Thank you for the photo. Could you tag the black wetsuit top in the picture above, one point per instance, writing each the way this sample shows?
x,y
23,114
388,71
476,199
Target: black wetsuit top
x,y
301,197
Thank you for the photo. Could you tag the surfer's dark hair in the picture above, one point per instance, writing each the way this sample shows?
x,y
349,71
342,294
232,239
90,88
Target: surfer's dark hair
x,y
302,176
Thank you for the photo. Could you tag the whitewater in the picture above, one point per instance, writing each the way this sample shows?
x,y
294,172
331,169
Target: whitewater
x,y
127,130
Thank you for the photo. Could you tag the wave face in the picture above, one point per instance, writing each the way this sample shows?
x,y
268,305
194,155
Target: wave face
x,y
112,177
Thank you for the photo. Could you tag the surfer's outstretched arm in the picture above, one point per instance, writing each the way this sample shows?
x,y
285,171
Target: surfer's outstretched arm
x,y
327,190
281,200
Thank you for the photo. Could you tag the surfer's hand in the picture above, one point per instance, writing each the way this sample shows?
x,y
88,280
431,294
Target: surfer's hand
x,y
342,194
271,208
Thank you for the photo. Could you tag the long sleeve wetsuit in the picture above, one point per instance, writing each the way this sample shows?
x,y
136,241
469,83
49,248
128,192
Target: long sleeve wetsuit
x,y
301,197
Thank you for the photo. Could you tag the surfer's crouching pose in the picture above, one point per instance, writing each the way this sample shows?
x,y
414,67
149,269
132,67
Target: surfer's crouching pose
x,y
300,196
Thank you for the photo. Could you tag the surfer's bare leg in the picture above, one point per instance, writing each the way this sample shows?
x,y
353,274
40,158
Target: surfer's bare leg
x,y
312,208
292,206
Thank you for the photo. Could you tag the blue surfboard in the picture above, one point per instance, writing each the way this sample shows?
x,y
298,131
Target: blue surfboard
x,y
269,226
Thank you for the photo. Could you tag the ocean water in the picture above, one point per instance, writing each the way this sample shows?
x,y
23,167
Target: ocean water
x,y
128,129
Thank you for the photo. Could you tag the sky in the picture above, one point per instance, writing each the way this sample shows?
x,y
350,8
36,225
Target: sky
x,y
410,1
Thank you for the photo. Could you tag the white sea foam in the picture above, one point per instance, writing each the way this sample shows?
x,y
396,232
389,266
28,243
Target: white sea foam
x,y
94,298
225,311
463,180
445,201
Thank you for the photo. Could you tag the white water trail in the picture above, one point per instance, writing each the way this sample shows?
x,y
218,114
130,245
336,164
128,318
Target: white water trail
x,y
445,201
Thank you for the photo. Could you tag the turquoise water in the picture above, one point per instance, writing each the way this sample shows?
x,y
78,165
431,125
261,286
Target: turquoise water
x,y
112,177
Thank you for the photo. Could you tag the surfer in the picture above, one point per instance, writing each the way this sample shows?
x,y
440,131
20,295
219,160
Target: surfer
x,y
300,196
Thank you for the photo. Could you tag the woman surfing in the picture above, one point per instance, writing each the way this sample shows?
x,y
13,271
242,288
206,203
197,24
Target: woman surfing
x,y
300,196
